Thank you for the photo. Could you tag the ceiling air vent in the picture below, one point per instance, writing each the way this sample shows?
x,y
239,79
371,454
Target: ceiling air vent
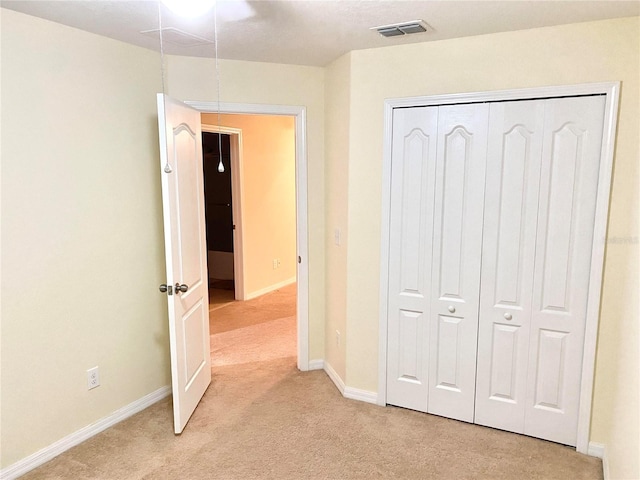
x,y
404,28
177,37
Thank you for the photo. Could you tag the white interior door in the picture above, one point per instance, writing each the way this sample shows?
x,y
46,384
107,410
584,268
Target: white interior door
x,y
510,220
412,189
186,255
569,180
457,243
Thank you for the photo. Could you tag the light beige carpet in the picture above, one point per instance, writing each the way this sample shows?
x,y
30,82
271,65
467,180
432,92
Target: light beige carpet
x,y
256,343
259,330
265,419
219,297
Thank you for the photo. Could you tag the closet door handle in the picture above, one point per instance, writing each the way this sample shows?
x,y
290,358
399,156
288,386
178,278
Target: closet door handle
x,y
508,316
452,309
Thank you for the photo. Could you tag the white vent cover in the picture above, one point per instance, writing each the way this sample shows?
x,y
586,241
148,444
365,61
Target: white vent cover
x,y
404,28
177,37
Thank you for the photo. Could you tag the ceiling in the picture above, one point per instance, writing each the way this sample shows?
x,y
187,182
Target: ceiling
x,y
314,32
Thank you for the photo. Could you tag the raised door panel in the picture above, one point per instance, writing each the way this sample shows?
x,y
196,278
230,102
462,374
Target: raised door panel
x,y
510,218
187,232
189,263
411,226
570,165
457,240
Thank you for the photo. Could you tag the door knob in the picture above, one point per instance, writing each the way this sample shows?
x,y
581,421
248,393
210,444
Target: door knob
x,y
508,316
451,309
181,288
164,288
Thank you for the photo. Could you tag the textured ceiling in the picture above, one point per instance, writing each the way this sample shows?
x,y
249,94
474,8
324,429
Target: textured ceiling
x,y
315,32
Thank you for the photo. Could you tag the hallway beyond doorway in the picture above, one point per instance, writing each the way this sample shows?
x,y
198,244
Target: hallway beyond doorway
x,y
221,293
256,330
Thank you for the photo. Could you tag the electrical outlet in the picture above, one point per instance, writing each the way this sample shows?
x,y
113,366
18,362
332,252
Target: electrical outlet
x,y
275,263
336,236
337,338
93,378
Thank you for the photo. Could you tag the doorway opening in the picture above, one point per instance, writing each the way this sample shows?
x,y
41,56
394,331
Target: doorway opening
x,y
218,217
250,207
298,113
185,243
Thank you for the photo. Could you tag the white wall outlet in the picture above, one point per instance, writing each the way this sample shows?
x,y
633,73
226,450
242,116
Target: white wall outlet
x,y
337,338
336,236
275,263
93,378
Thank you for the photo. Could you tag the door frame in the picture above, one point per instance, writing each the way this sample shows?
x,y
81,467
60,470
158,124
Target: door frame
x,y
302,235
611,90
237,200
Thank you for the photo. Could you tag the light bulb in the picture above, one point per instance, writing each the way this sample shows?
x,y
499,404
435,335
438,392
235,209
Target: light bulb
x,y
189,8
220,167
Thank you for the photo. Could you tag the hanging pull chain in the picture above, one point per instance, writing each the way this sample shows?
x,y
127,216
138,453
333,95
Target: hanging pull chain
x,y
167,167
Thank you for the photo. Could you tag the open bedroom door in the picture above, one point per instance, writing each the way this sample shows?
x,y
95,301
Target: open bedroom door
x,y
186,285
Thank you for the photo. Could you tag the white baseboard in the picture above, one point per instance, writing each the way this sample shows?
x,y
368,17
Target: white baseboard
x,y
270,288
348,392
599,450
317,364
48,453
361,395
335,378
605,465
595,450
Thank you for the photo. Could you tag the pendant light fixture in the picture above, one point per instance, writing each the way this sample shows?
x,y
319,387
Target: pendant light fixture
x,y
217,68
193,8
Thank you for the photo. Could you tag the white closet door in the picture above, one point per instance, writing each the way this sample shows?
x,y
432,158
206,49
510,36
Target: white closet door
x,y
510,218
457,241
569,179
411,227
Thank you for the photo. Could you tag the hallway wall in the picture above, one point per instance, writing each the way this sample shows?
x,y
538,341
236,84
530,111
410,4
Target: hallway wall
x,y
268,197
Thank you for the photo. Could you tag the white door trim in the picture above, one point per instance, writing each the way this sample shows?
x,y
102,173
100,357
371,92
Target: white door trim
x,y
612,91
300,114
237,195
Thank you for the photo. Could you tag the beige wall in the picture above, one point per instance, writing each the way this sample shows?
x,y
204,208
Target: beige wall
x,y
190,78
82,253
579,53
337,94
268,196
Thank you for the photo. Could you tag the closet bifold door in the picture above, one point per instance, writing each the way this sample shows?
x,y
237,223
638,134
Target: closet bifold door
x,y
568,187
411,226
457,242
514,154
